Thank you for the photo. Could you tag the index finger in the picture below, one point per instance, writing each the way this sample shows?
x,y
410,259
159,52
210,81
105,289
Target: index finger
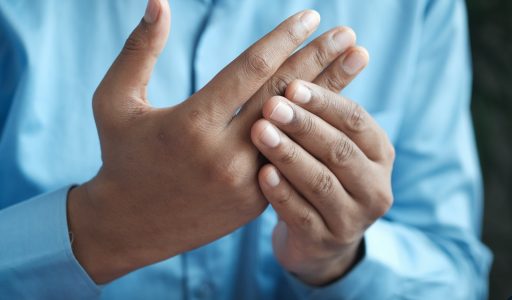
x,y
239,80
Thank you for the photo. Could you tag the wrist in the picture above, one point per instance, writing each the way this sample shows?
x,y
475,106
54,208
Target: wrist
x,y
329,270
100,242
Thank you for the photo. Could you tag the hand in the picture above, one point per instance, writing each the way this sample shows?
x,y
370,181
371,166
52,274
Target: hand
x,y
176,178
329,177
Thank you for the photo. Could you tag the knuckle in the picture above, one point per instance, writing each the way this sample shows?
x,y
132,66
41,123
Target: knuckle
x,y
382,203
305,126
104,109
335,81
290,156
278,83
323,103
356,117
390,152
330,83
258,64
284,196
386,153
322,184
305,219
341,152
135,43
293,35
321,55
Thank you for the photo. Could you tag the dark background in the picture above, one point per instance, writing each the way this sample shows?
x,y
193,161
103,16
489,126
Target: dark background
x,y
491,39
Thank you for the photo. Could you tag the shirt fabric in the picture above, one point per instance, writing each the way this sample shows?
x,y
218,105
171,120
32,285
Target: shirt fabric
x,y
54,53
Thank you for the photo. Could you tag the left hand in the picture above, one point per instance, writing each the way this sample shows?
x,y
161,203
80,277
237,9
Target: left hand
x,y
329,178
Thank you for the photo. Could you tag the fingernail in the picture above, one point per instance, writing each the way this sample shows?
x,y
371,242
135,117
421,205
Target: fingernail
x,y
343,39
272,178
302,94
282,113
152,11
310,19
354,62
270,137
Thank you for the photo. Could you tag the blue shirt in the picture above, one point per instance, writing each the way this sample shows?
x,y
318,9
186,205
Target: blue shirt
x,y
54,53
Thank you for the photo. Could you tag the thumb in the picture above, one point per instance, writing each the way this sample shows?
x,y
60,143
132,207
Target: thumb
x,y
130,73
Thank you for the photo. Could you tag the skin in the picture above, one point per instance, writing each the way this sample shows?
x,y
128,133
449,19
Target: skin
x,y
176,178
329,179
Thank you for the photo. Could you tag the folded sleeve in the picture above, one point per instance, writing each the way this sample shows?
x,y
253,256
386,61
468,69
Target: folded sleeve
x,y
36,260
428,245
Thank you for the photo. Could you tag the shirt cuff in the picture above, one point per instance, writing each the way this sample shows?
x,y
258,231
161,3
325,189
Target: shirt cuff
x,y
37,260
368,279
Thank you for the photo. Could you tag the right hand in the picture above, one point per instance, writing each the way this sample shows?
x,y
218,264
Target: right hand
x,y
176,178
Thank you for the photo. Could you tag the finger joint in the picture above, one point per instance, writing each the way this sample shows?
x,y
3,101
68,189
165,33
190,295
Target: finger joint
x,y
284,197
293,35
321,55
258,64
334,81
383,200
356,120
278,83
291,156
305,126
341,152
322,184
306,219
135,43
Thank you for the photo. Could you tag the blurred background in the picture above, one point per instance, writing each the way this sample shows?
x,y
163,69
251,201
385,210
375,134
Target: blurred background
x,y
491,38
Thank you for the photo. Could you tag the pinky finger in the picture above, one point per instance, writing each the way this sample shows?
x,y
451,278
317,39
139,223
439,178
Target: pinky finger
x,y
291,207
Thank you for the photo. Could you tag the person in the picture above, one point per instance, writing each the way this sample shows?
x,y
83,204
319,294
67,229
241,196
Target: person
x,y
169,198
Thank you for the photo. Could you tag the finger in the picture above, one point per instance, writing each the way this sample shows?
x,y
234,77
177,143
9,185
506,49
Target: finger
x,y
326,143
345,115
305,64
238,81
309,177
341,72
290,206
131,71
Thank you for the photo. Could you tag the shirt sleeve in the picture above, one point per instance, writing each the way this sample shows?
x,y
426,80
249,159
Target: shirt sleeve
x,y
428,246
36,260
